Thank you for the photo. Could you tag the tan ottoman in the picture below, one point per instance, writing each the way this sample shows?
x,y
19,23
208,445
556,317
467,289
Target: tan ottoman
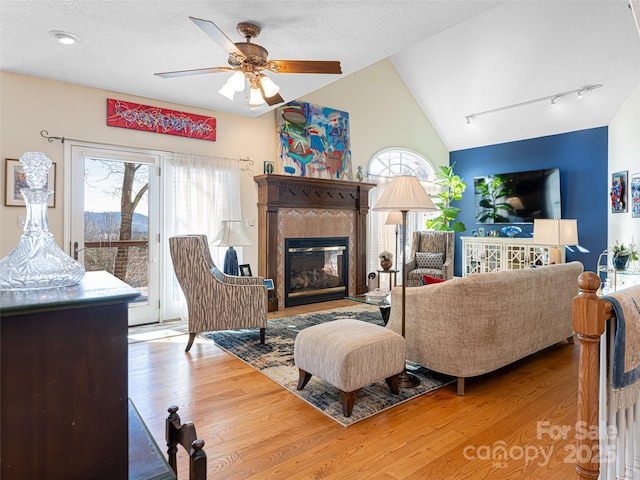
x,y
349,354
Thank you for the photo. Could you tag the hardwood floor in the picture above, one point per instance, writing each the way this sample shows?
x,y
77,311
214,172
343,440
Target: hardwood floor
x,y
255,429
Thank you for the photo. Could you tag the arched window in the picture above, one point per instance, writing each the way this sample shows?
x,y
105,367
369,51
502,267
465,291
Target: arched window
x,y
382,168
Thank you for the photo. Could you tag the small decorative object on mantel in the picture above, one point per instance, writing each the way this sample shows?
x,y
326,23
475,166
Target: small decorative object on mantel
x,y
386,260
622,254
359,174
511,231
37,262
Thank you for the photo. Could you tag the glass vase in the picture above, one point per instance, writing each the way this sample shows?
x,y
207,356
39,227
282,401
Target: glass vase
x,y
37,262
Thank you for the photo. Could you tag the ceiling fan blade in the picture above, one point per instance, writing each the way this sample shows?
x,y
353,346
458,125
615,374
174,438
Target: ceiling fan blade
x,y
274,100
197,71
304,66
217,35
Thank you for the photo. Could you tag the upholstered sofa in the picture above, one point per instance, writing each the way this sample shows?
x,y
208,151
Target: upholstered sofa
x,y
470,326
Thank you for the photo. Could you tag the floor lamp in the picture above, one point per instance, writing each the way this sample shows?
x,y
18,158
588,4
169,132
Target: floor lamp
x,y
405,194
231,234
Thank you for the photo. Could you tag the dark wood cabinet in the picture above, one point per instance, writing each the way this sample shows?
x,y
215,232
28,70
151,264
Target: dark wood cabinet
x,y
64,381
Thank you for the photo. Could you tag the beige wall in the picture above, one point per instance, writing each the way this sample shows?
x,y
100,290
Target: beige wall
x,y
28,105
624,154
382,114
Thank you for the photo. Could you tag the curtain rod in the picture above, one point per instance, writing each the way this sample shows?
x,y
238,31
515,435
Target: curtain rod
x,y
45,134
51,138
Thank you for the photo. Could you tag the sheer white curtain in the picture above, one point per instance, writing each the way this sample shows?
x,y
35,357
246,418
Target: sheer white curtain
x,y
206,190
381,237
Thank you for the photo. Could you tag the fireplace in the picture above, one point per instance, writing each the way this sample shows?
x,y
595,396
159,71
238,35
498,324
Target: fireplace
x,y
316,269
300,207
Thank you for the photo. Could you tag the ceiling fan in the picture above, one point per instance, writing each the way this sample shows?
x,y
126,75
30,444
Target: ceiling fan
x,y
248,60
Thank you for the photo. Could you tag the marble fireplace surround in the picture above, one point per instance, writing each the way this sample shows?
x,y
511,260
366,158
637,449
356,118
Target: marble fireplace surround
x,y
298,207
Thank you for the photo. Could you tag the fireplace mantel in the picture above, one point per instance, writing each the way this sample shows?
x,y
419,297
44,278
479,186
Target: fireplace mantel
x,y
280,194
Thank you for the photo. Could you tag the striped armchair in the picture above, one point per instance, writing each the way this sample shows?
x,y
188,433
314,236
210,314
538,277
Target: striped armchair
x,y
215,301
431,254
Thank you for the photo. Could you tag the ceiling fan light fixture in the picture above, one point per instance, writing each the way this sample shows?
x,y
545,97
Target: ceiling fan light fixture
x,y
227,91
236,81
269,87
255,98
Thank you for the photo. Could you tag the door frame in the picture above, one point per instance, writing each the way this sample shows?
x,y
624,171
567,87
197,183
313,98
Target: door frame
x,y
158,251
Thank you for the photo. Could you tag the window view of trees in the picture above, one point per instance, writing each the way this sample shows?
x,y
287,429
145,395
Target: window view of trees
x,y
116,226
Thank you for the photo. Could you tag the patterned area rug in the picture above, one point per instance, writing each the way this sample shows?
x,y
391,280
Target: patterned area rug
x,y
275,360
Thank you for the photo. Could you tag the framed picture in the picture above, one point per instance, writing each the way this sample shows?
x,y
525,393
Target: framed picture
x,y
15,181
635,195
269,167
268,283
619,192
245,270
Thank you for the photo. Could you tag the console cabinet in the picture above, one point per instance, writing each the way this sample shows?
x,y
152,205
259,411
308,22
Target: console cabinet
x,y
493,254
63,393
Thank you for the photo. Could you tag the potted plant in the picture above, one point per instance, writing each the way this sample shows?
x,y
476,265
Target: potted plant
x,y
622,254
454,188
386,260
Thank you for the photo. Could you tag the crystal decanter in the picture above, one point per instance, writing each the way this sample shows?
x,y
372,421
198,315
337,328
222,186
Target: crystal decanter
x,y
37,262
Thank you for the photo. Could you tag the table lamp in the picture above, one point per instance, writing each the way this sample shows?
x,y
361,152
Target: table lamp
x,y
555,233
405,194
395,218
231,234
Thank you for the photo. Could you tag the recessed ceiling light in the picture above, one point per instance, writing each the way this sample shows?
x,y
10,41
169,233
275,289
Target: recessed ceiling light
x,y
65,38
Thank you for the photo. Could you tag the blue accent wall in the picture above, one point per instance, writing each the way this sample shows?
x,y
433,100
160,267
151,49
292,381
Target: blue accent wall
x,y
582,158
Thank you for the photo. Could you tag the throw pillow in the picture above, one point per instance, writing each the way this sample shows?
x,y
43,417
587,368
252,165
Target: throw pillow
x,y
429,260
428,280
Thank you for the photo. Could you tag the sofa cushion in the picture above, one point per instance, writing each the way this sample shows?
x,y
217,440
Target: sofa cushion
x,y
428,280
429,260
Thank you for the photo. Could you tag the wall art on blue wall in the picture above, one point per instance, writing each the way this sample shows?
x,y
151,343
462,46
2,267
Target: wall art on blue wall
x,y
619,192
635,195
313,141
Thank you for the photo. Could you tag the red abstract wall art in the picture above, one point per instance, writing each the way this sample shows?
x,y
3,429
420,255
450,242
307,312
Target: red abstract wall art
x,y
159,120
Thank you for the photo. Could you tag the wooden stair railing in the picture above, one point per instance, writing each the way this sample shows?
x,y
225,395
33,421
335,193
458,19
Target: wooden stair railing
x,y
185,435
590,313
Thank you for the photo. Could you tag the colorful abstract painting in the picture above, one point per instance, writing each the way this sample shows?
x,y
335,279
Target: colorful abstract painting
x,y
313,141
619,192
635,195
159,120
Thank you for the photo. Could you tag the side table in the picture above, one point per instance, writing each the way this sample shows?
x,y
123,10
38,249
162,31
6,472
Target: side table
x,y
392,278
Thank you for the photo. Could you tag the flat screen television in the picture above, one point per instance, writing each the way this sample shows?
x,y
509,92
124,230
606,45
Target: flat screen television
x,y
518,197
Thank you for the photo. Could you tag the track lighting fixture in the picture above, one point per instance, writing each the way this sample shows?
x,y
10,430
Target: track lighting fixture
x,y
552,98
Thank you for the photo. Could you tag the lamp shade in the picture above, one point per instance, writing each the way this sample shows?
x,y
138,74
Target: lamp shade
x,y
555,232
405,193
394,218
231,234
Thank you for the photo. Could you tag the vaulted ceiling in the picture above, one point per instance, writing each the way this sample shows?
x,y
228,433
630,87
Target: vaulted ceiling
x,y
457,57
